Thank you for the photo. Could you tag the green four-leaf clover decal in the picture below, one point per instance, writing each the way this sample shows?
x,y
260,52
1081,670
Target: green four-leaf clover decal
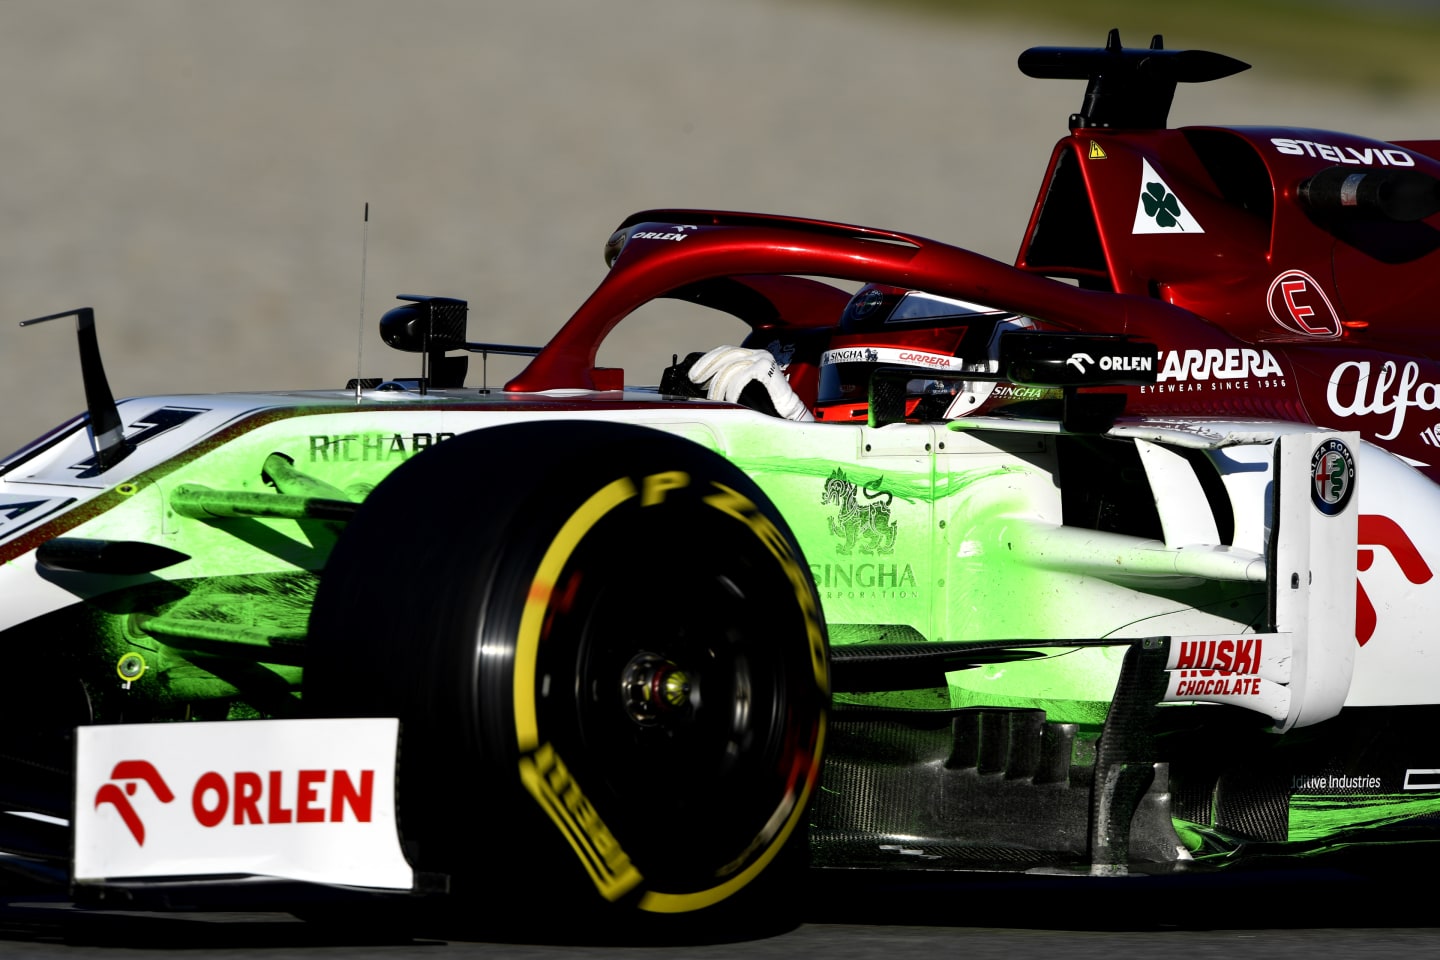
x,y
1162,205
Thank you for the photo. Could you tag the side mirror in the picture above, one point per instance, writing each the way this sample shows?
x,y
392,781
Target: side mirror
x,y
424,324
430,325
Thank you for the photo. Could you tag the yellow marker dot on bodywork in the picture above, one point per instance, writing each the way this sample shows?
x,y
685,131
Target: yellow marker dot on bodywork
x,y
130,667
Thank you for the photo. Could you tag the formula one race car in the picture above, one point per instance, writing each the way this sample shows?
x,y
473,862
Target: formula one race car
x,y
1115,561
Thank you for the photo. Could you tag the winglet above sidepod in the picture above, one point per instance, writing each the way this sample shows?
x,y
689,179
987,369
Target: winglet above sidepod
x,y
105,427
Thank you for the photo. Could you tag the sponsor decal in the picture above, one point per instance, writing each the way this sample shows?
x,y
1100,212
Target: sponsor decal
x,y
1225,668
867,302
975,393
1250,671
1358,156
1234,368
216,797
901,356
238,798
864,526
13,508
124,778
1422,779
1298,304
1097,152
1082,361
370,447
1219,686
143,430
1010,391
782,352
309,800
1315,783
548,780
865,581
1203,657
1376,530
17,512
1248,691
1353,392
1128,364
1159,210
1332,474
676,236
920,358
850,355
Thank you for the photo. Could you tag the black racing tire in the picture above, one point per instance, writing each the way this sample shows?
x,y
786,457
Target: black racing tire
x,y
607,656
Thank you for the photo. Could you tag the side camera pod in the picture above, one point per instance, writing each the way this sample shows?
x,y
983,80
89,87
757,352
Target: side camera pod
x,y
430,326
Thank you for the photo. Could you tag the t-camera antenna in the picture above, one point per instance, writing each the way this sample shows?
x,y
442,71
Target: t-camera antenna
x,y
360,339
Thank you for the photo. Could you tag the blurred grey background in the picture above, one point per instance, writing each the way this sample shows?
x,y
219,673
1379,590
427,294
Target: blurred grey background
x,y
196,170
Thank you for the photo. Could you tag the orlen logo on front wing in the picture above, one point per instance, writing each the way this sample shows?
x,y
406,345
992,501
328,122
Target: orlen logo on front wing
x,y
123,781
311,800
246,796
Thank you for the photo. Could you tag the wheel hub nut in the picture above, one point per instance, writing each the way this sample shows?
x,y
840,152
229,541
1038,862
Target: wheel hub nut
x,y
654,689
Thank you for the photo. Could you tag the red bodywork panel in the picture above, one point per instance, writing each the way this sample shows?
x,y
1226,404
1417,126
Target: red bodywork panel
x,y
1196,239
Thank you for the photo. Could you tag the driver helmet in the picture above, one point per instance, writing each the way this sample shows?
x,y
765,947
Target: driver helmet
x,y
888,326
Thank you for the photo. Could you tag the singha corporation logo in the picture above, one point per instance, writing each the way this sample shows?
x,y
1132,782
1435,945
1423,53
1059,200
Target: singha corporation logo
x,y
864,525
118,796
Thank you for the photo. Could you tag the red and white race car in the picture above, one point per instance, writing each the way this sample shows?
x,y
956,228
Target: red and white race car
x,y
1117,560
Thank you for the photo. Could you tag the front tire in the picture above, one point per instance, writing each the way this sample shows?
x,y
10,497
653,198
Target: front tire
x,y
610,670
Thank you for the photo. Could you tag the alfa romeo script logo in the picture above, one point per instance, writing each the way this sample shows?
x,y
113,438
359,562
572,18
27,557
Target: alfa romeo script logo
x,y
1332,472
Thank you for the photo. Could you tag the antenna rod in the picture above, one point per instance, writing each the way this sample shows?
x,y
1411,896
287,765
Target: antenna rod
x,y
360,340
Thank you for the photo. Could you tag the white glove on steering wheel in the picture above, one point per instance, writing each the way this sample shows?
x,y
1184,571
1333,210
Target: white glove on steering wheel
x,y
731,369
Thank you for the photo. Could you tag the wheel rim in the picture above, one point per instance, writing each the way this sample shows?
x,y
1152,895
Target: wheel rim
x,y
693,732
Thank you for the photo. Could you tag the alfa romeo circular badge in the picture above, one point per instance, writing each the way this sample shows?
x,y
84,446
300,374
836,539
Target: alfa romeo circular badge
x,y
1332,476
868,302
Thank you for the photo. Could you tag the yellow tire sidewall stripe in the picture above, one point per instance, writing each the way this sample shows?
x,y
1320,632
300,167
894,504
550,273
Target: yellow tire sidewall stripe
x,y
537,602
527,727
